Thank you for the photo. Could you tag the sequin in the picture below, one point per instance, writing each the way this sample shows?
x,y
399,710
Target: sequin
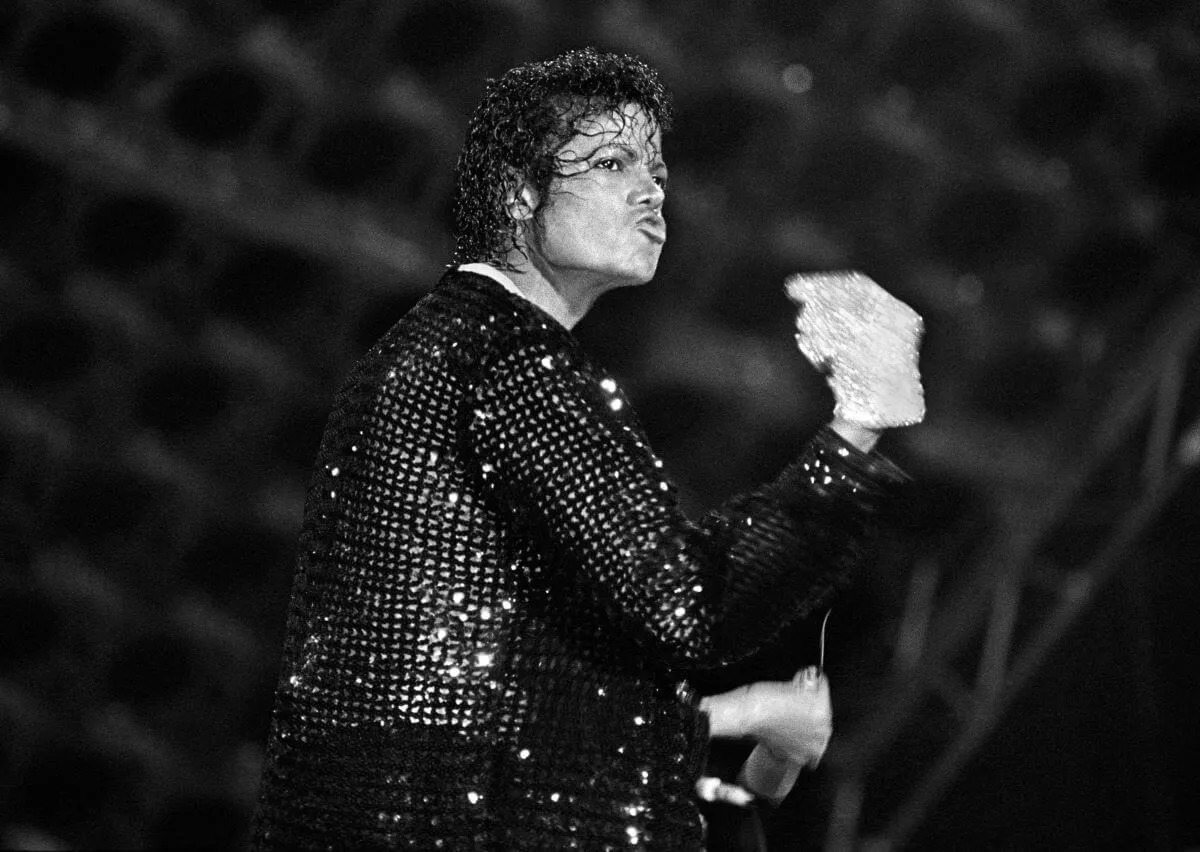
x,y
838,309
431,636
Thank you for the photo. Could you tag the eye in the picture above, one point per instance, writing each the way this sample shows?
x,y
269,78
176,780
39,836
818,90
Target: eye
x,y
661,180
611,164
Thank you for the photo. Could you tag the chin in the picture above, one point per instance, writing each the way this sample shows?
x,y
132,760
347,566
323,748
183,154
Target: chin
x,y
644,275
633,273
639,280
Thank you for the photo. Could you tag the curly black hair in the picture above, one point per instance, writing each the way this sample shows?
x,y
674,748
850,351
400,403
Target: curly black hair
x,y
515,134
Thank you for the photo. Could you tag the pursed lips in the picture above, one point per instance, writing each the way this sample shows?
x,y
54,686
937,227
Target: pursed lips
x,y
655,227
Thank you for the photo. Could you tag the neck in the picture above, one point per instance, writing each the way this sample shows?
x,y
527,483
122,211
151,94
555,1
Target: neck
x,y
567,304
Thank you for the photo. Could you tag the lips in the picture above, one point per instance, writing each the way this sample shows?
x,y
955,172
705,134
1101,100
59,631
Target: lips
x,y
655,227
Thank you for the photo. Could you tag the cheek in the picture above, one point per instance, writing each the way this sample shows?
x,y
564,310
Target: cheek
x,y
592,227
581,231
569,236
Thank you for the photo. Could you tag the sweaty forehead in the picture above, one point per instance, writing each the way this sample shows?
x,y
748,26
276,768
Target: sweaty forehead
x,y
627,126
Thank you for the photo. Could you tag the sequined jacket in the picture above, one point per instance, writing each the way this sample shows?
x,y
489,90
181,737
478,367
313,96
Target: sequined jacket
x,y
498,602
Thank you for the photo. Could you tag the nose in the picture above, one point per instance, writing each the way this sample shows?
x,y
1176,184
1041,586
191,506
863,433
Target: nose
x,y
649,193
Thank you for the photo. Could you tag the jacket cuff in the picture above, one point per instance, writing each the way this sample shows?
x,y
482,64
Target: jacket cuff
x,y
832,467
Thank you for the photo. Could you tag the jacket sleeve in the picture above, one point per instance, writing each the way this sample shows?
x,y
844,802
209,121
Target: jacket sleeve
x,y
560,447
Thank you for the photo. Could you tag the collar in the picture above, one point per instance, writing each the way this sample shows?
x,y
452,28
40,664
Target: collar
x,y
489,271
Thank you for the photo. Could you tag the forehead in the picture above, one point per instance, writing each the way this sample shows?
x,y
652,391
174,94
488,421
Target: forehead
x,y
629,125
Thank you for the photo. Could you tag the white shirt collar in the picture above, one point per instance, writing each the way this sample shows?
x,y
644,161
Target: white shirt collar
x,y
489,271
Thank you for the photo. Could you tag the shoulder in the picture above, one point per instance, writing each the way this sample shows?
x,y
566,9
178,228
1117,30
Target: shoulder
x,y
507,330
465,328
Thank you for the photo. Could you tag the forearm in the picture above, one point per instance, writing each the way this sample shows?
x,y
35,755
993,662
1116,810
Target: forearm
x,y
697,596
797,540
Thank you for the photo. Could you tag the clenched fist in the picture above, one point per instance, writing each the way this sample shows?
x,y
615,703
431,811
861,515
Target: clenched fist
x,y
867,340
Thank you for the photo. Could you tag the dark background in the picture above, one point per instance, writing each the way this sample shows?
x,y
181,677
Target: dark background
x,y
210,208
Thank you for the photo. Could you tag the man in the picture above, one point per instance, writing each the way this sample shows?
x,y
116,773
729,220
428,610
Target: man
x,y
498,601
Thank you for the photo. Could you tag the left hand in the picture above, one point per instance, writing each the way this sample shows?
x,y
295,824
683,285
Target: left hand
x,y
793,719
792,722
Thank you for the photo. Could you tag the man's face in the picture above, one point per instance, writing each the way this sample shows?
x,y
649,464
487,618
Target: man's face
x,y
602,224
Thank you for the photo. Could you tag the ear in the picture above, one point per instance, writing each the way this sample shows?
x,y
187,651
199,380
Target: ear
x,y
520,201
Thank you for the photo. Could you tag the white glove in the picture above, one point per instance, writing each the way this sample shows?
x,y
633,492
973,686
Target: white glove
x,y
868,340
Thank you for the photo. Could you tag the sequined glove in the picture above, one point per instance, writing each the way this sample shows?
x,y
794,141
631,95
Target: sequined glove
x,y
868,340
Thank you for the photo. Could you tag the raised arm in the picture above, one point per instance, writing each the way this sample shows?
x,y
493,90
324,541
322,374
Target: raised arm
x,y
559,445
